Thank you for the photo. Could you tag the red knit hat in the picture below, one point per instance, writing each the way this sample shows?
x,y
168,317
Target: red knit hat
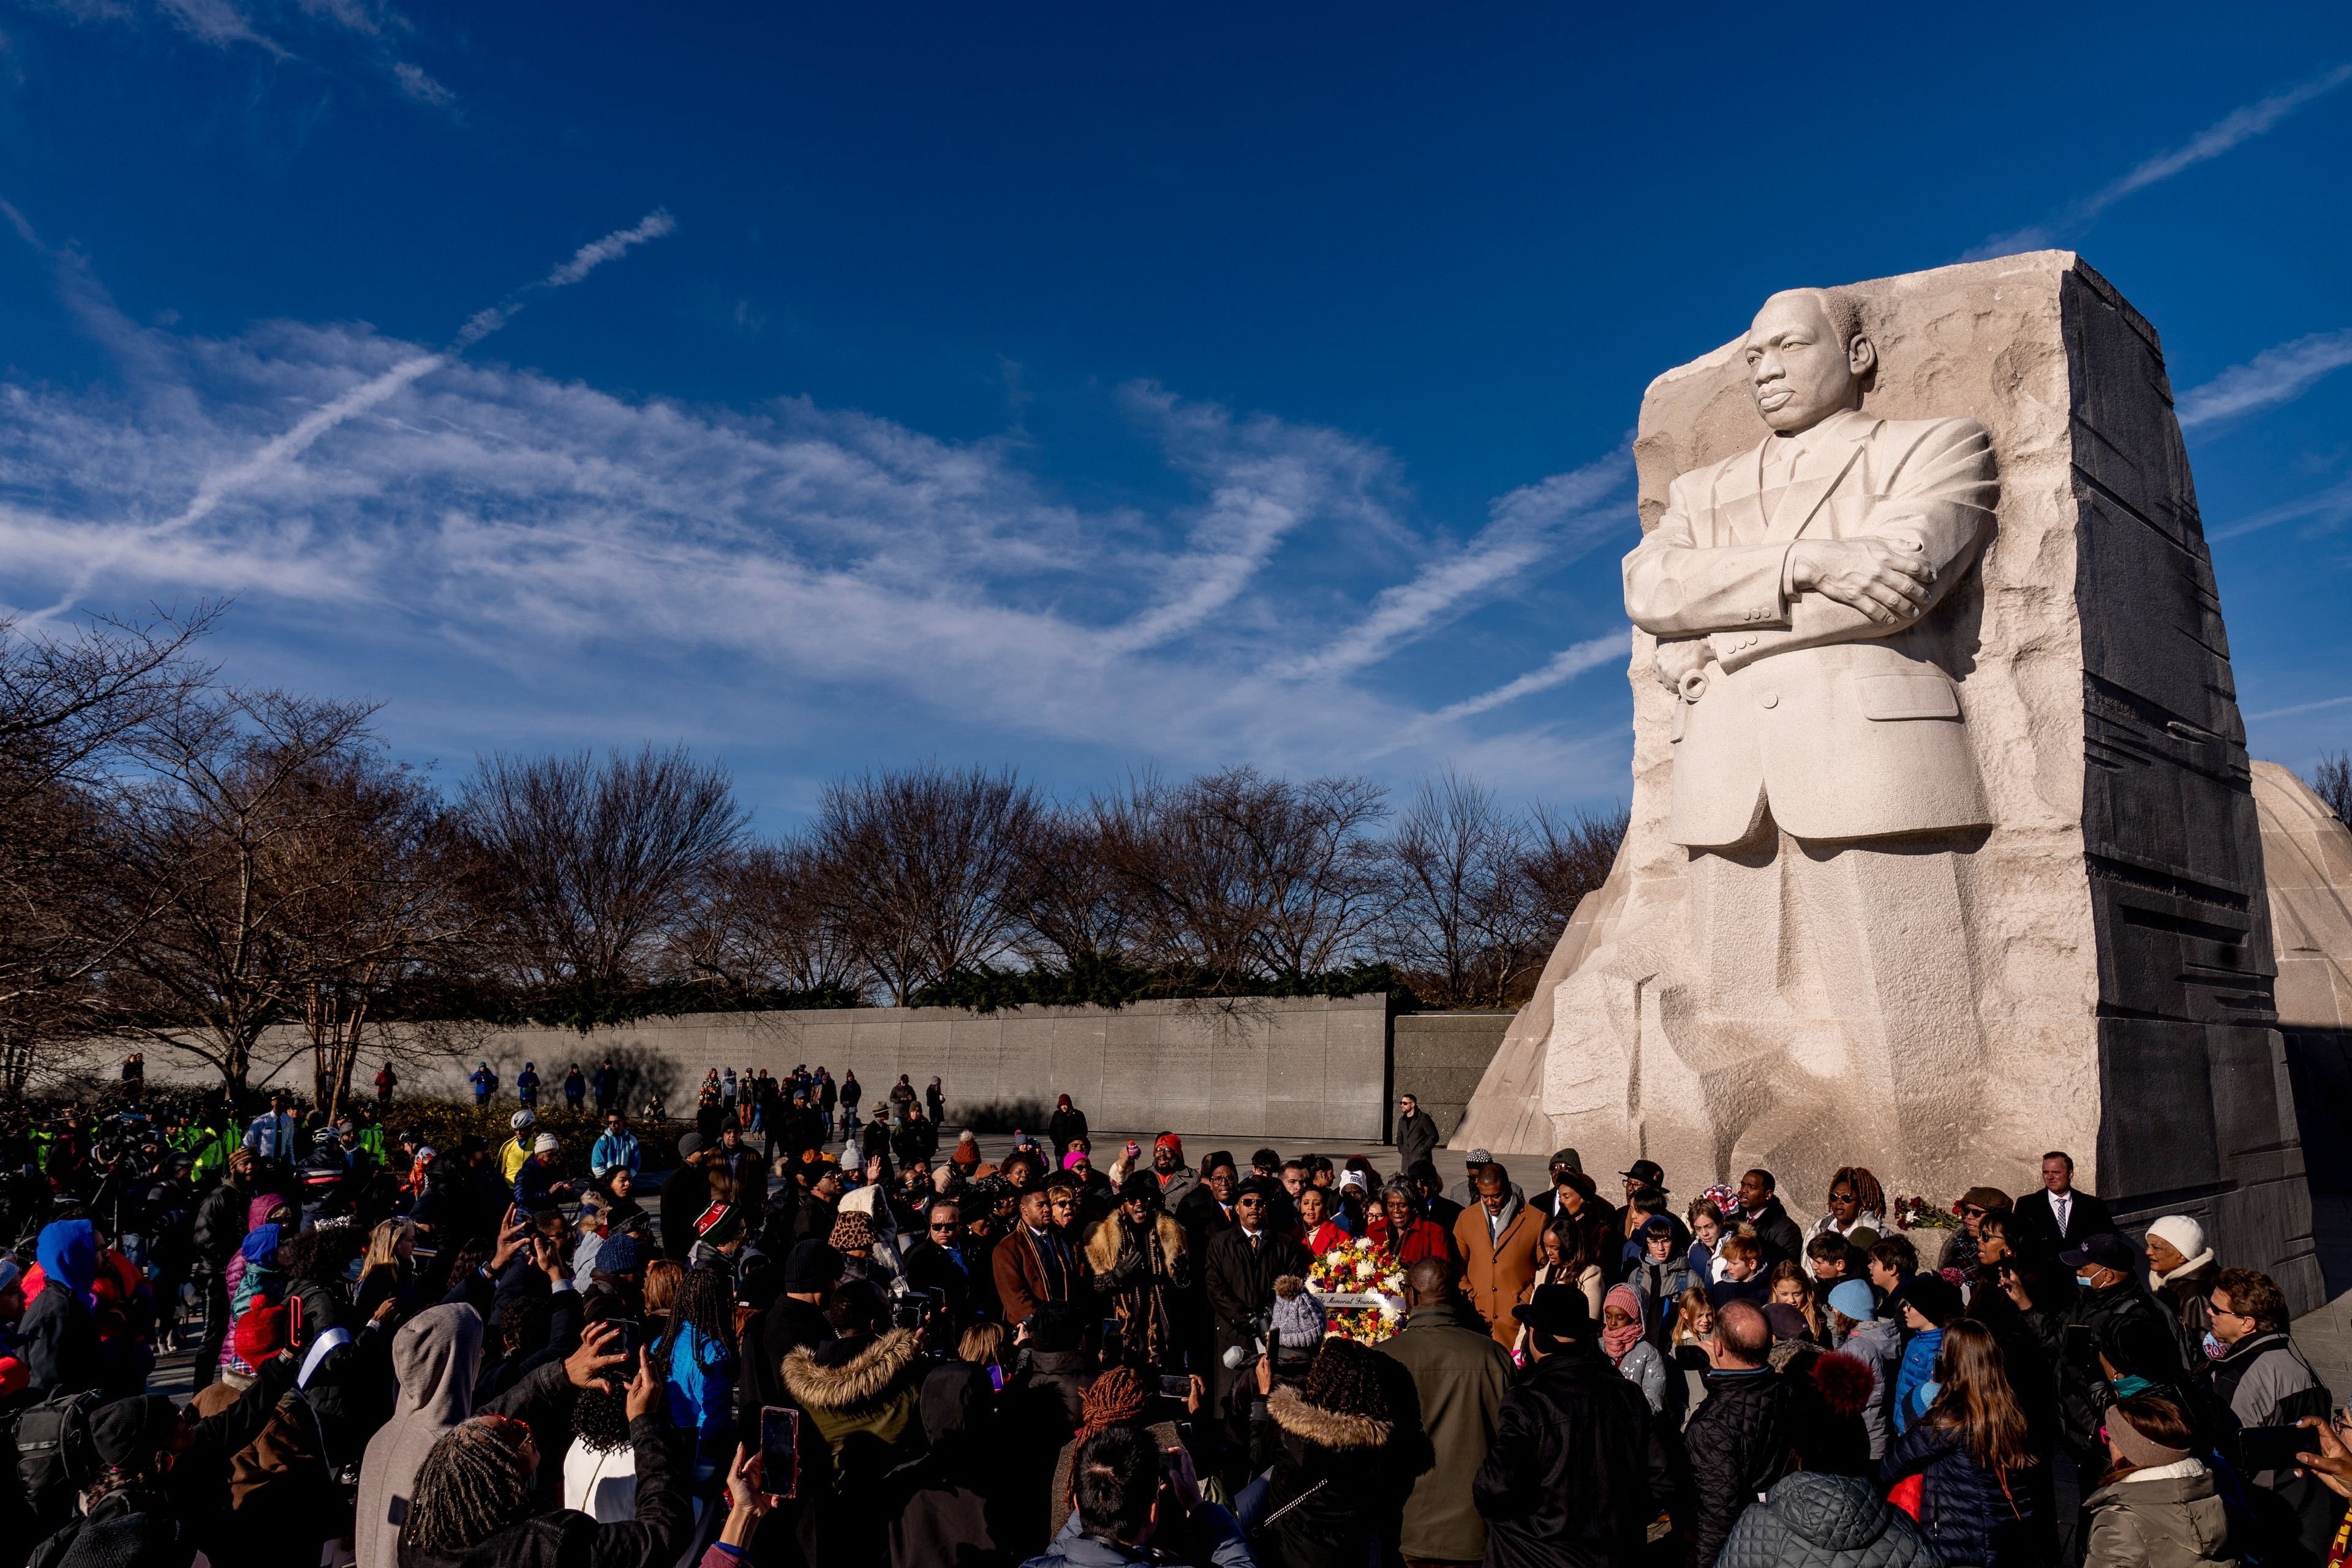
x,y
260,1333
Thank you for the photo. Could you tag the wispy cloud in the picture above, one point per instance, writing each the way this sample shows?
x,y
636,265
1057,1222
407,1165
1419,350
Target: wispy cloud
x,y
597,252
274,455
2273,375
276,27
489,520
1563,667
2233,130
1551,522
2324,510
2301,708
421,87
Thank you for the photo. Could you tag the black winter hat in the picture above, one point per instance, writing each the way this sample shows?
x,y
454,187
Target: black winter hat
x,y
810,1266
130,1433
1142,1184
1932,1296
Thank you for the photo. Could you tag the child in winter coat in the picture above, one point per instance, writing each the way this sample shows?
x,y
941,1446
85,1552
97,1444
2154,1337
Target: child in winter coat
x,y
2158,1507
1927,1302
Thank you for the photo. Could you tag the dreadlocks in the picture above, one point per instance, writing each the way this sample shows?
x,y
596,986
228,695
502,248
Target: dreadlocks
x,y
706,1303
474,1483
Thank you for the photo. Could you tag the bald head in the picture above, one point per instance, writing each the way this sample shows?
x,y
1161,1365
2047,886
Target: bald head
x,y
1807,357
1742,1336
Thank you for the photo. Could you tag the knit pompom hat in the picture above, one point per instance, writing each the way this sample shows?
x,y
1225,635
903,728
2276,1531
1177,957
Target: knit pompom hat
x,y
1297,1316
1341,1405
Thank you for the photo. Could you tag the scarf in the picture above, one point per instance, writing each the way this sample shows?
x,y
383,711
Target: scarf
x,y
1616,1342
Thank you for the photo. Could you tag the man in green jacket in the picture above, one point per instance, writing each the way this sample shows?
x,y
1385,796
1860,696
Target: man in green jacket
x,y
1460,1375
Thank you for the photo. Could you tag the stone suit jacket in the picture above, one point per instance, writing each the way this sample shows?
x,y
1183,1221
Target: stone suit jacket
x,y
1844,728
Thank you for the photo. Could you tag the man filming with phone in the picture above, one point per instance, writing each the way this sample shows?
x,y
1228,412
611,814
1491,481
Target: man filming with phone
x,y
1139,1504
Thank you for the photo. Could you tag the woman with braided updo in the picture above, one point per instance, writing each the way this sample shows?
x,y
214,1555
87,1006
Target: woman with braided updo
x,y
471,1508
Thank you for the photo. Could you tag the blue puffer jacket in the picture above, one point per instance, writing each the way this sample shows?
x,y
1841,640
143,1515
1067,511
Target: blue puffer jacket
x,y
1914,1380
1815,1519
1970,1518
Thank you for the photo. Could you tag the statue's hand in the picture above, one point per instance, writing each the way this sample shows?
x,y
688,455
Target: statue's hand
x,y
1886,580
1675,659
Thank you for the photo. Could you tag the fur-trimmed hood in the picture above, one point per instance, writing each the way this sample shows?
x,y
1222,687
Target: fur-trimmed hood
x,y
1325,1429
1102,1242
866,1378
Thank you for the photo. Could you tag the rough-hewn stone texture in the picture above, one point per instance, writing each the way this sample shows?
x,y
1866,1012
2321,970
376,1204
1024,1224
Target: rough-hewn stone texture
x,y
2118,995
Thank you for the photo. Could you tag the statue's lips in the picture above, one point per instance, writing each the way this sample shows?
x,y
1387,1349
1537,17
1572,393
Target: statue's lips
x,y
1772,402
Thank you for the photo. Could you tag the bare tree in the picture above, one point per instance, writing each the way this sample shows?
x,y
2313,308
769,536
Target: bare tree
x,y
1071,903
1466,920
376,885
2332,781
917,868
1235,874
1569,857
215,838
592,867
763,925
71,706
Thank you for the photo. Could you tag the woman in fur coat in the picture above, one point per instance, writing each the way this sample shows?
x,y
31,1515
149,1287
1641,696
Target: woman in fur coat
x,y
1140,1267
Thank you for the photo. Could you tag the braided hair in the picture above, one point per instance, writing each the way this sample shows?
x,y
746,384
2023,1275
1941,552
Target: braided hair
x,y
706,1303
474,1483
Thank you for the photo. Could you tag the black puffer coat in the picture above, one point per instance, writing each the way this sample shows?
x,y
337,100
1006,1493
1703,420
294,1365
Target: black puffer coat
x,y
1743,1437
1815,1520
1967,1515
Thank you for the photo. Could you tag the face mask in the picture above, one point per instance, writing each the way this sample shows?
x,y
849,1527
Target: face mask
x,y
2214,1347
2086,1283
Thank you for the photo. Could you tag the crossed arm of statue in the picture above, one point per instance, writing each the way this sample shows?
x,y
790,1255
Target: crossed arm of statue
x,y
1737,604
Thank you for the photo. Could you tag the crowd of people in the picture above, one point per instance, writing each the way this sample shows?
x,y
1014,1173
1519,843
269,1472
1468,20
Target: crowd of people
x,y
815,1345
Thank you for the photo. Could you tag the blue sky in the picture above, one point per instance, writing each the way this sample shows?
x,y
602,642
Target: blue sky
x,y
1081,388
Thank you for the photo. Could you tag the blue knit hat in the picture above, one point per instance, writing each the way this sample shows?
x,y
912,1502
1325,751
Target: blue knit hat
x,y
619,1255
1853,1298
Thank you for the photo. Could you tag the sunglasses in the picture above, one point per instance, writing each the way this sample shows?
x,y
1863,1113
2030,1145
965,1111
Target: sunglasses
x,y
1842,1197
937,1228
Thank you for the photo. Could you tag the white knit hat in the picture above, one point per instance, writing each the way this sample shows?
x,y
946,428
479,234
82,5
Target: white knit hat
x,y
2187,1236
546,1144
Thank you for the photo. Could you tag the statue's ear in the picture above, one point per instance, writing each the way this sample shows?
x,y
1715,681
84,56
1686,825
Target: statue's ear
x,y
1862,355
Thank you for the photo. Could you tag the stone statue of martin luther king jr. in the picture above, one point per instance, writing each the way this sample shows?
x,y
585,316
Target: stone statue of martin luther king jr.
x,y
1822,780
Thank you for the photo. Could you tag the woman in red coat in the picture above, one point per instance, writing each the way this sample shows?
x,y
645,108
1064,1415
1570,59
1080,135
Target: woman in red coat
x,y
1400,1231
1317,1230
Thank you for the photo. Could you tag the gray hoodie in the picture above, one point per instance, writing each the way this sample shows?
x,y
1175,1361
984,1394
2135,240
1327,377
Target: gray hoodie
x,y
436,1356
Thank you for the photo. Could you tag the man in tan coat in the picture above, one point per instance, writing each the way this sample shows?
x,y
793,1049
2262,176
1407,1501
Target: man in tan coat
x,y
1497,1238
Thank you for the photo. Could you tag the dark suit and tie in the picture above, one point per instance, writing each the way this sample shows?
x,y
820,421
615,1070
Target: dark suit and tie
x,y
2056,1224
1240,1272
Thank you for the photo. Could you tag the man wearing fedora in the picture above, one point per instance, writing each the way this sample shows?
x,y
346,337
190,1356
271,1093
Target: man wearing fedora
x,y
1578,1468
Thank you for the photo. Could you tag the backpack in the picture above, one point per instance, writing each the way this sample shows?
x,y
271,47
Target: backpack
x,y
55,1455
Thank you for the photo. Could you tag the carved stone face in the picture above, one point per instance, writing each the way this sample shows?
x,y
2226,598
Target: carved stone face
x,y
1800,373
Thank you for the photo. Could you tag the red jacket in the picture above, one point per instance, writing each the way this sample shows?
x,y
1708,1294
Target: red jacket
x,y
1423,1238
